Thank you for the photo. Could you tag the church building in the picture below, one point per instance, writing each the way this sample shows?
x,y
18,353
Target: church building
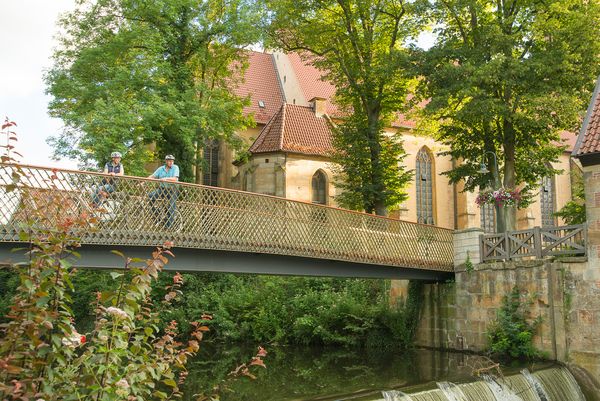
x,y
288,153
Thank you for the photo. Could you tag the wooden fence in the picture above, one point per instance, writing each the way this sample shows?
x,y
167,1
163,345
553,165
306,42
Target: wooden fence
x,y
537,242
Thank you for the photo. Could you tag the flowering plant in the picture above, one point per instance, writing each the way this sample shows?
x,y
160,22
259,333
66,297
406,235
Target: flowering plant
x,y
499,197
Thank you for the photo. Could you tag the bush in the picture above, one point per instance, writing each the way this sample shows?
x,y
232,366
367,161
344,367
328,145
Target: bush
x,y
513,331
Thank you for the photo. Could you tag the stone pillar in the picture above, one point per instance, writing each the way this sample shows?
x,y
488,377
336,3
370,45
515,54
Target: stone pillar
x,y
466,245
591,177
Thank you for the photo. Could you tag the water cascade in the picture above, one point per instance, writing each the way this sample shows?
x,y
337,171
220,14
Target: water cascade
x,y
501,391
452,391
552,384
537,386
395,395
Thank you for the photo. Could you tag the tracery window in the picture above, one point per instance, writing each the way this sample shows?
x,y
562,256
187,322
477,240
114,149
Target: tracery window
x,y
547,196
424,187
488,218
319,188
210,173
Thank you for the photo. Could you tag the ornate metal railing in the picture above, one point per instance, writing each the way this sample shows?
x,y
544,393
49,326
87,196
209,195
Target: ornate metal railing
x,y
215,218
536,242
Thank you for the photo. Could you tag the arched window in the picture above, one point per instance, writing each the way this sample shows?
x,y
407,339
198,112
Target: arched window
x,y
424,187
547,201
488,218
319,188
210,173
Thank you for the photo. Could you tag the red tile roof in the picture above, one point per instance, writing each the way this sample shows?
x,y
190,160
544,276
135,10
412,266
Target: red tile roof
x,y
311,82
312,85
295,129
262,84
588,141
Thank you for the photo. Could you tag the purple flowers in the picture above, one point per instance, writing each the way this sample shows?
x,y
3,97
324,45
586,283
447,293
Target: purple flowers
x,y
499,197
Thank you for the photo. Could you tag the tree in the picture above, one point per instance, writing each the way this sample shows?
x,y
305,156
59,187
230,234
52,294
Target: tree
x,y
506,77
359,46
129,75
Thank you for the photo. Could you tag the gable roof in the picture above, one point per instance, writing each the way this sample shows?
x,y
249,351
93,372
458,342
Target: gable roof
x,y
262,84
295,129
588,141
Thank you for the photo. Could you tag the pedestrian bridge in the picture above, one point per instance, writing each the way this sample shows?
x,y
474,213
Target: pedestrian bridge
x,y
216,229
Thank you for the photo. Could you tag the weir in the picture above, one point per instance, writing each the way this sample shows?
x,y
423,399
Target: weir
x,y
551,384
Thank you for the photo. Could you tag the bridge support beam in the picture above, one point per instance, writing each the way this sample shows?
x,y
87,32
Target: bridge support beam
x,y
199,260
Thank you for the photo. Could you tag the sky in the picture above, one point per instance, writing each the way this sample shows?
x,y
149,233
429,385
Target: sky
x,y
27,38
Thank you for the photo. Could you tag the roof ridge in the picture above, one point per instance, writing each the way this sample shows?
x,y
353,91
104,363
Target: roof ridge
x,y
283,115
266,130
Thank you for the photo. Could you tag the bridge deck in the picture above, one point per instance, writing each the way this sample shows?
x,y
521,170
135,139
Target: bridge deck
x,y
219,219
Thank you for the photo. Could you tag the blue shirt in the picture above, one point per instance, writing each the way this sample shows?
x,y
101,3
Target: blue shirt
x,y
162,172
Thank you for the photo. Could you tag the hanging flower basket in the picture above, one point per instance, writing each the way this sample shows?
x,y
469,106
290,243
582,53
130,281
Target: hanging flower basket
x,y
499,197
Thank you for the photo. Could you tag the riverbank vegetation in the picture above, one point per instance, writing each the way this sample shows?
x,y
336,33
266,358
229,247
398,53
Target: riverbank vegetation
x,y
272,309
511,335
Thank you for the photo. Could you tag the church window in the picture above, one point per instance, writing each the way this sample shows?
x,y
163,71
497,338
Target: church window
x,y
547,201
424,187
319,188
488,218
210,173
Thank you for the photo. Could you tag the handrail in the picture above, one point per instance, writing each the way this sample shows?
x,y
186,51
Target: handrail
x,y
537,242
190,184
198,216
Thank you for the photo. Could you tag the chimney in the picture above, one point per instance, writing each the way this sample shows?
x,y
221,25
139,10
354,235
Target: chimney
x,y
319,106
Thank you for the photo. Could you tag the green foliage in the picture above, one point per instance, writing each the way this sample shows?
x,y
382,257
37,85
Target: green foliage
x,y
125,355
9,281
280,310
359,45
513,331
573,212
128,74
295,310
507,78
469,264
354,171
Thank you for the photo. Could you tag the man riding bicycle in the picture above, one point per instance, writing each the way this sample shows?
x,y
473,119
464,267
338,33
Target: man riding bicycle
x,y
169,172
113,168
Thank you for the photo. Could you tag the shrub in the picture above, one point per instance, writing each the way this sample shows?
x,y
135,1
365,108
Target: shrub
x,y
513,331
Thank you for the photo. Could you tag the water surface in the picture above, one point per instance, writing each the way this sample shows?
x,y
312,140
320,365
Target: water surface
x,y
311,374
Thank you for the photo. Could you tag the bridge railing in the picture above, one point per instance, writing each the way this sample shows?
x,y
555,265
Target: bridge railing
x,y
537,242
216,218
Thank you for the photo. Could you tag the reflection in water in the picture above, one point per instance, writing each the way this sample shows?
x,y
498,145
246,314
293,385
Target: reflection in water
x,y
329,374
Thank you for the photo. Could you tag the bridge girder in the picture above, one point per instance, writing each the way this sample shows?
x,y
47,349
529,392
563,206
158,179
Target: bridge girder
x,y
208,260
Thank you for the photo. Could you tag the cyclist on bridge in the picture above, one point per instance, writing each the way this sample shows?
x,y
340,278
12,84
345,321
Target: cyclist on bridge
x,y
168,172
108,185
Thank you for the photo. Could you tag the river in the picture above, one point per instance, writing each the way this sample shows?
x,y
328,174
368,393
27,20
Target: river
x,y
336,374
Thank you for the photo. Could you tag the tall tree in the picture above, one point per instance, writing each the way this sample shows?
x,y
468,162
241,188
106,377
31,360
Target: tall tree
x,y
359,44
506,77
129,74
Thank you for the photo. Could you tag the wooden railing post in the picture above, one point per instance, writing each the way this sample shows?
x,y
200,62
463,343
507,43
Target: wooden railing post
x,y
537,242
481,248
507,245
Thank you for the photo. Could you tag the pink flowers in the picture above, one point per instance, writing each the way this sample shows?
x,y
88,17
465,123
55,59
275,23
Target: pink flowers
x,y
499,197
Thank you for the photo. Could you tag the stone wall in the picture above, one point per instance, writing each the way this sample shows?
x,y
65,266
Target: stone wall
x,y
457,315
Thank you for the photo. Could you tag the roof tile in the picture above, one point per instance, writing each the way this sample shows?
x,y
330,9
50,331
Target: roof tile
x,y
589,137
262,84
295,129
